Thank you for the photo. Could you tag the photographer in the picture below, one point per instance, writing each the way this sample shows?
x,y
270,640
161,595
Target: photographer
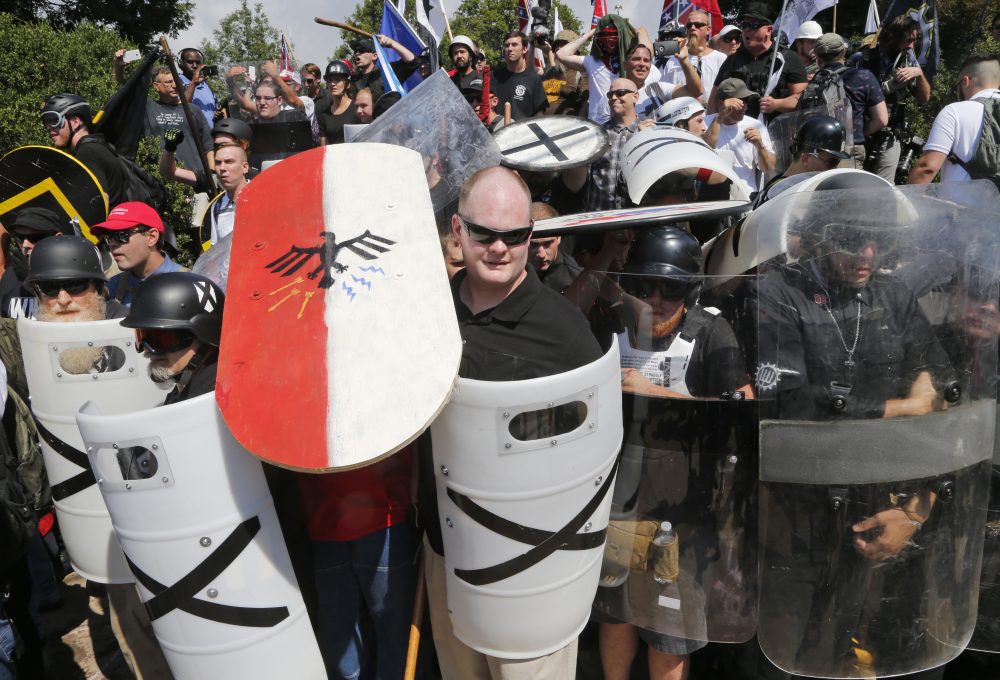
x,y
196,89
894,63
705,60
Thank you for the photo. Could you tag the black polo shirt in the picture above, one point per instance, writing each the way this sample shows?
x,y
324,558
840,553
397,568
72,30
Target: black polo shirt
x,y
754,71
533,333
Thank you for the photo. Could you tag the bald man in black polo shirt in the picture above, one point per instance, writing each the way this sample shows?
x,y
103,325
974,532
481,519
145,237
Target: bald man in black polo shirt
x,y
513,328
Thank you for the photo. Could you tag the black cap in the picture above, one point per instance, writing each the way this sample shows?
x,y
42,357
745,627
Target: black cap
x,y
821,133
38,219
473,87
362,45
179,300
757,10
61,258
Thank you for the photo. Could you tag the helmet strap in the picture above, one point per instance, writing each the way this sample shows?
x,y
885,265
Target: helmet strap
x,y
196,364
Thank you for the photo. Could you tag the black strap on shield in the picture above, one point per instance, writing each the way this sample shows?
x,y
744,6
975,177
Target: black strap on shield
x,y
545,542
78,482
546,140
181,595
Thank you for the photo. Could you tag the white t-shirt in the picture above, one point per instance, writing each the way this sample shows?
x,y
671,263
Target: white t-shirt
x,y
957,130
709,68
731,139
599,82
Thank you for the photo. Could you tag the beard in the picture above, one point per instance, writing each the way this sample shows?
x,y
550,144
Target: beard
x,y
77,360
161,375
662,329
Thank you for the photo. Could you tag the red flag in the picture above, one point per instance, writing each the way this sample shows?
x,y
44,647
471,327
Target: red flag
x,y
523,16
600,9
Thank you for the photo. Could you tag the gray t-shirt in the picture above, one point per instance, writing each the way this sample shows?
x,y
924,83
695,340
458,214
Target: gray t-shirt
x,y
162,117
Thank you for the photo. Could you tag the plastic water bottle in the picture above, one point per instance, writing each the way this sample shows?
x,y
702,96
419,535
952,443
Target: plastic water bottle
x,y
666,556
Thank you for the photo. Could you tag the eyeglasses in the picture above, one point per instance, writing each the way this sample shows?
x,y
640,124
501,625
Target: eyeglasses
x,y
121,237
830,161
643,288
694,24
620,93
264,97
29,236
752,25
487,236
732,37
53,120
52,288
162,340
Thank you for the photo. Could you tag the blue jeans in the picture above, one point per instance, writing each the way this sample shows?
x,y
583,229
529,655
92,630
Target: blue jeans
x,y
376,571
8,671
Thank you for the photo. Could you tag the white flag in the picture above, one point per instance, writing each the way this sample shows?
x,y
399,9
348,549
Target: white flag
x,y
872,22
797,12
424,21
401,6
557,26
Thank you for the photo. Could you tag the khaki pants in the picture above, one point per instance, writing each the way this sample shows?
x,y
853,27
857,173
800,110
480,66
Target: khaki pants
x,y
134,631
458,661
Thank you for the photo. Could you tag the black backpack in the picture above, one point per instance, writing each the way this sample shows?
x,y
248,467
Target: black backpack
x,y
17,517
139,184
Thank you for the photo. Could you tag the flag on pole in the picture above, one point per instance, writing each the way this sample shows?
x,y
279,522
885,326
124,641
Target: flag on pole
x,y
680,9
121,119
287,63
401,6
389,78
395,25
557,26
600,10
797,12
924,12
872,22
523,15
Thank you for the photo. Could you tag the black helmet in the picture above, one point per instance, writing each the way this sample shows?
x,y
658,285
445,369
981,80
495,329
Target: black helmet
x,y
64,104
233,127
337,68
179,300
668,253
820,133
60,258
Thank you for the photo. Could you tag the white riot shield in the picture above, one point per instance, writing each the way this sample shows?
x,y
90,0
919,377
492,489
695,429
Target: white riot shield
x,y
200,532
877,437
524,472
68,364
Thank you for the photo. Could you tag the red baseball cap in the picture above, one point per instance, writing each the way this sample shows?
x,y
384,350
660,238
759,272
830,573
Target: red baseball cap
x,y
132,214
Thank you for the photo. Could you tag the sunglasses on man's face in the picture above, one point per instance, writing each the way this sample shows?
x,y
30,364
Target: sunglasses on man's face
x,y
695,24
752,25
159,341
53,288
733,37
122,237
487,236
620,93
644,288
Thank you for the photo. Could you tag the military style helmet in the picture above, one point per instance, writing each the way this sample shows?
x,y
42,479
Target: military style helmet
x,y
667,253
233,127
180,301
61,258
674,111
820,133
464,41
337,68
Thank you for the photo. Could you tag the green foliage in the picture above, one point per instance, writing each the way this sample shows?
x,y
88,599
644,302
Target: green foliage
x,y
139,21
74,60
244,36
487,21
180,197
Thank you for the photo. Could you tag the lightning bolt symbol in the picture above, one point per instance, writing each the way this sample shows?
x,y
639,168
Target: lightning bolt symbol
x,y
374,270
363,281
350,291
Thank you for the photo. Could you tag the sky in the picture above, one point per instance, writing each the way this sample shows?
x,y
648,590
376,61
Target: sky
x,y
312,41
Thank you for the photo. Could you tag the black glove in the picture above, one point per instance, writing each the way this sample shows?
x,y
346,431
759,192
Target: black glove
x,y
172,139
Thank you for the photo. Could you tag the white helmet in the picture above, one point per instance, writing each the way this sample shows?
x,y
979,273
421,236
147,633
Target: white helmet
x,y
674,111
810,30
464,41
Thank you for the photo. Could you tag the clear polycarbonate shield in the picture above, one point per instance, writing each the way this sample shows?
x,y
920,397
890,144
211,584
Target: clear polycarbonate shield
x,y
680,557
877,433
784,127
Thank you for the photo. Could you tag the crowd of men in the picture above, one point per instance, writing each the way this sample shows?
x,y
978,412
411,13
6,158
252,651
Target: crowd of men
x,y
517,297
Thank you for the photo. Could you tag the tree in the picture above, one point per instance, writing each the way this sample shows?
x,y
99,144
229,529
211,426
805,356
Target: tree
x,y
486,22
139,21
244,36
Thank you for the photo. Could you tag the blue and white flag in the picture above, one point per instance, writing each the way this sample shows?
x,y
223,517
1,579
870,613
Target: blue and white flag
x,y
872,22
389,78
395,25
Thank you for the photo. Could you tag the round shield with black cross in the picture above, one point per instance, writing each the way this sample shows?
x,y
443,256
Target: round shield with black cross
x,y
201,535
67,365
340,343
524,471
875,366
551,143
43,177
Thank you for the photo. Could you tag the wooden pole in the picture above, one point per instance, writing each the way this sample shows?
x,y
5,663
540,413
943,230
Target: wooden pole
x,y
447,24
834,29
342,26
169,58
413,648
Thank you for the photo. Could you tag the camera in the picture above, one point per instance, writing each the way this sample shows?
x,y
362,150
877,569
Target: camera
x,y
670,30
665,48
210,71
539,19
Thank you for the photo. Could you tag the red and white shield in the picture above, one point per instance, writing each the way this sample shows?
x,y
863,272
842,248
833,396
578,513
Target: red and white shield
x,y
339,342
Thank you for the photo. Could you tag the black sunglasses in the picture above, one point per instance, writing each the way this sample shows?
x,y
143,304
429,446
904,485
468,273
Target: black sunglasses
x,y
643,288
695,24
487,236
752,25
71,286
732,37
121,237
620,93
161,340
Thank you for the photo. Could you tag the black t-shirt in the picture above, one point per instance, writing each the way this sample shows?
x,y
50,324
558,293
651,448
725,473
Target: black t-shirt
x,y
202,382
523,90
754,71
464,80
17,300
533,333
106,167
373,79
331,125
